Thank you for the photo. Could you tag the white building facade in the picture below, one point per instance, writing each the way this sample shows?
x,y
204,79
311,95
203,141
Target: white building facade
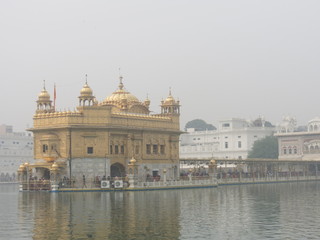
x,y
233,139
300,145
16,148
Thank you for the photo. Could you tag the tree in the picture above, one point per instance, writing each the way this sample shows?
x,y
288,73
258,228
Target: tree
x,y
265,148
199,125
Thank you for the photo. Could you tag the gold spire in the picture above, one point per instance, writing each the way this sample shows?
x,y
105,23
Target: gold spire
x,y
120,84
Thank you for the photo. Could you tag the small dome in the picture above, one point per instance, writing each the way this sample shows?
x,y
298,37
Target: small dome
x,y
314,120
21,168
86,90
44,95
169,100
54,166
212,161
132,160
147,102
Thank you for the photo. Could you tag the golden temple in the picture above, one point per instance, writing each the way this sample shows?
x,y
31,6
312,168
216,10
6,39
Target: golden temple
x,y
98,139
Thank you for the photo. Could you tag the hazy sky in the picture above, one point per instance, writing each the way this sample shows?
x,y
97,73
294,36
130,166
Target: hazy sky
x,y
222,59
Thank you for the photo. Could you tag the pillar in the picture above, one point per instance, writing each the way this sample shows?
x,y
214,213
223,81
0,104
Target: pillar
x,y
133,173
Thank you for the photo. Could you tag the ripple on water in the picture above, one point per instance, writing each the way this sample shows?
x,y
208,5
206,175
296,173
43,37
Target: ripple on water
x,y
266,211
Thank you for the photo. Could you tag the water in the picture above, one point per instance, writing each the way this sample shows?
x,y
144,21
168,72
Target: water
x,y
265,211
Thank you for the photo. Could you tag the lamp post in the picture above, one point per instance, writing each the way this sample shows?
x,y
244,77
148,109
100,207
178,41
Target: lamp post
x,y
190,174
164,175
54,182
26,165
105,166
20,177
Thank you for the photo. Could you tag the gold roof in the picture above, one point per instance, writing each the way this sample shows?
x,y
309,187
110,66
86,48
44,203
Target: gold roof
x,y
120,95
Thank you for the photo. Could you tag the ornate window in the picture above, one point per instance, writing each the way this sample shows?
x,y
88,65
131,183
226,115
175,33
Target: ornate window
x,y
148,150
162,149
44,148
122,149
116,149
89,150
155,149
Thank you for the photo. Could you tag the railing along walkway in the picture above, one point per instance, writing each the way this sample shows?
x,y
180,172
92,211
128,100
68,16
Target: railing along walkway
x,y
267,179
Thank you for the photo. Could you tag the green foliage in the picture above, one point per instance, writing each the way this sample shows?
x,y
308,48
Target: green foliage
x,y
199,125
265,148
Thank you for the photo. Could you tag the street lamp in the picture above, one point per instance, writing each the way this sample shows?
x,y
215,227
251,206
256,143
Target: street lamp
x,y
26,165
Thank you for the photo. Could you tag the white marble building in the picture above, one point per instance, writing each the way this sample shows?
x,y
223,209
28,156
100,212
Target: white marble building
x,y
16,148
233,139
304,145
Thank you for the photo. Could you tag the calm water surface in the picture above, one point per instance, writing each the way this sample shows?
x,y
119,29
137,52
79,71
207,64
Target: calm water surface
x,y
265,211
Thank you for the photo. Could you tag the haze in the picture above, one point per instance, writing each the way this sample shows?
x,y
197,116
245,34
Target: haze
x,y
222,59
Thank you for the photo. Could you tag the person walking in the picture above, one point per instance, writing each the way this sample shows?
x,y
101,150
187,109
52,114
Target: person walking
x,y
84,181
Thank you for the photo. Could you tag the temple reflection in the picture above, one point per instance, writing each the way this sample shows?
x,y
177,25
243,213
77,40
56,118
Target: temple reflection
x,y
118,215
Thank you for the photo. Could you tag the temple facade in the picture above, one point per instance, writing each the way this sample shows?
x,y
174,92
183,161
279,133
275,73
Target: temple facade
x,y
101,139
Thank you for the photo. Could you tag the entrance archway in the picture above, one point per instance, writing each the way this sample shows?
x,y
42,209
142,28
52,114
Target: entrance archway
x,y
118,170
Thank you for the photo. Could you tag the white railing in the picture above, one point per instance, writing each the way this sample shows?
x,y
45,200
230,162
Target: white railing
x,y
178,183
265,179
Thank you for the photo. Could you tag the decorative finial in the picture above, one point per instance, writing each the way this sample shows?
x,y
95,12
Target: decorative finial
x,y
169,91
44,84
87,79
120,78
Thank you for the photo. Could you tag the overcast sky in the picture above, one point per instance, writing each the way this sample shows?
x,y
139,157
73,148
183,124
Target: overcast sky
x,y
222,59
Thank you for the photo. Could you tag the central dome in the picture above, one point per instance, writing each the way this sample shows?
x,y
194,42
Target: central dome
x,y
120,95
123,101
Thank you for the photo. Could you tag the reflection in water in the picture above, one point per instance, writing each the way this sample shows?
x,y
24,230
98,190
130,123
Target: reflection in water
x,y
118,215
265,211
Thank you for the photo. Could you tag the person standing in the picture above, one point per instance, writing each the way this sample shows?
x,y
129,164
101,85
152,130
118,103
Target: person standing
x,y
84,181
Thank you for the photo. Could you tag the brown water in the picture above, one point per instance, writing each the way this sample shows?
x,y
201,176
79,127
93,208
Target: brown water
x,y
265,211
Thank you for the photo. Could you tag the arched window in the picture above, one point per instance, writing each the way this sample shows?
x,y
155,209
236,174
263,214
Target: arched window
x,y
284,150
44,148
310,128
312,149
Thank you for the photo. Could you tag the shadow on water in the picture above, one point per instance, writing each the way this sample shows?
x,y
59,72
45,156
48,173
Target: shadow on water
x,y
265,211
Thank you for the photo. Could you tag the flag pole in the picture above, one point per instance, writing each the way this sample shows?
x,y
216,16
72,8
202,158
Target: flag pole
x,y
54,97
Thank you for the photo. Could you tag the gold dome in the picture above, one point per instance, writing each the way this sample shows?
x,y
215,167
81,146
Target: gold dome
x,y
21,168
54,166
213,161
132,160
44,95
86,90
121,94
169,100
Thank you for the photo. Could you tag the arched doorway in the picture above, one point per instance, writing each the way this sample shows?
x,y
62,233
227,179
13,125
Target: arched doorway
x,y
118,170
